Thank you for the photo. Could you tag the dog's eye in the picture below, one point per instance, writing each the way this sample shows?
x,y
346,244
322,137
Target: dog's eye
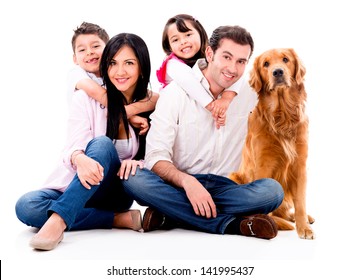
x,y
285,60
266,64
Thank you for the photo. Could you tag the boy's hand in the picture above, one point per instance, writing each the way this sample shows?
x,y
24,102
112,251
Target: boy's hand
x,y
139,122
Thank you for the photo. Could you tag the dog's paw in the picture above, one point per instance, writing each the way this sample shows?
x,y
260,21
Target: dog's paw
x,y
311,219
306,233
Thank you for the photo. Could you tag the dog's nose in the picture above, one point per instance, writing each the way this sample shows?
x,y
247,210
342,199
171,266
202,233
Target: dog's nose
x,y
278,72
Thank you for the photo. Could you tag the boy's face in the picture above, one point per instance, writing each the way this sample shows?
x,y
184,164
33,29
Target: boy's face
x,y
88,52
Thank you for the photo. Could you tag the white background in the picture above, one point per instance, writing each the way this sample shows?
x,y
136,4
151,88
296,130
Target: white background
x,y
36,55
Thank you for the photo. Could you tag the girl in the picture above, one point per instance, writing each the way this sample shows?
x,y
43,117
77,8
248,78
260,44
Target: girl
x,y
85,191
184,40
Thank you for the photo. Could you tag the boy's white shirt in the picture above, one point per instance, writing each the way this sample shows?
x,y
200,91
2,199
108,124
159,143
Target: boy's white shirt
x,y
76,74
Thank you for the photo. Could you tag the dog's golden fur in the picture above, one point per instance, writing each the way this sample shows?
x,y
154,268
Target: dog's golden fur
x,y
277,142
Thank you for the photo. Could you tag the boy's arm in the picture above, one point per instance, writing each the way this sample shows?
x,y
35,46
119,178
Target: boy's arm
x,y
183,75
93,90
99,93
144,105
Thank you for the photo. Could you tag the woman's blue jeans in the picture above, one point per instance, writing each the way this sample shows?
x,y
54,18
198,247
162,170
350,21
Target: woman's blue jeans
x,y
231,199
79,207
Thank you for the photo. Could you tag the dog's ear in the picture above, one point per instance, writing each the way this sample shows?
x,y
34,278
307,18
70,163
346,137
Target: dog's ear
x,y
255,80
299,68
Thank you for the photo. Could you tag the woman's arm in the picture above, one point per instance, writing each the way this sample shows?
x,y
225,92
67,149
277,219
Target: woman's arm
x,y
79,127
80,133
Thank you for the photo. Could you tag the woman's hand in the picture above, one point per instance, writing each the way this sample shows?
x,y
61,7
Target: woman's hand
x,y
129,166
89,171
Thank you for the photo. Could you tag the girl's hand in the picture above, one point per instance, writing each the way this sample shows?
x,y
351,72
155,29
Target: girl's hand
x,y
127,166
218,108
139,122
89,171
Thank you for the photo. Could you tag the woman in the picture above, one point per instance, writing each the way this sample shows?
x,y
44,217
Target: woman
x,y
85,191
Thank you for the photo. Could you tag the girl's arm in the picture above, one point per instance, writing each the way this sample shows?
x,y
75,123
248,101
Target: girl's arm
x,y
184,76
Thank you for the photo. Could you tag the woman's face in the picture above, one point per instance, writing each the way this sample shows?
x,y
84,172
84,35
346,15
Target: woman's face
x,y
124,71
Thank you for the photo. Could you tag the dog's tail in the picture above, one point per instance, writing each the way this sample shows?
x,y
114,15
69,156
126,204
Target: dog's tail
x,y
236,177
282,223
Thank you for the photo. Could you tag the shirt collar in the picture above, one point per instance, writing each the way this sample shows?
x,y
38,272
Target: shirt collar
x,y
197,69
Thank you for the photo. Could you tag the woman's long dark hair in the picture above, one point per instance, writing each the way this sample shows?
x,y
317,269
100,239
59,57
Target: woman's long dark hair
x,y
115,99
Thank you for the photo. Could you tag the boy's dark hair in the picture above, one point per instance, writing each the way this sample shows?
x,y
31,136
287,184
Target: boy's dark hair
x,y
89,28
235,33
179,20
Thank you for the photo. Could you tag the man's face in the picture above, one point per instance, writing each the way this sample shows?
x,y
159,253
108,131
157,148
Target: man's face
x,y
226,65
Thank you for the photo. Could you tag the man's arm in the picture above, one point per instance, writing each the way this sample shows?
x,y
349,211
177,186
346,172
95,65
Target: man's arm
x,y
199,197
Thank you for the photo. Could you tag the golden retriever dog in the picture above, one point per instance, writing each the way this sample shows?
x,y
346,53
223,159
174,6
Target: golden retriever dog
x,y
277,142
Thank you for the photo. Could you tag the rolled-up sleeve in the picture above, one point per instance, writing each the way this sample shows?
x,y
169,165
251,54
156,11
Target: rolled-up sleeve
x,y
80,129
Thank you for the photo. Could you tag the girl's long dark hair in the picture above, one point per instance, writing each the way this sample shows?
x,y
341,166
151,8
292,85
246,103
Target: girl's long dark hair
x,y
115,99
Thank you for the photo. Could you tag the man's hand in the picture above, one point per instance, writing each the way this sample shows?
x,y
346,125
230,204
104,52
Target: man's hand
x,y
200,198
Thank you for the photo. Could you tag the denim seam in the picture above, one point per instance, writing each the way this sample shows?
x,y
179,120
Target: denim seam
x,y
224,225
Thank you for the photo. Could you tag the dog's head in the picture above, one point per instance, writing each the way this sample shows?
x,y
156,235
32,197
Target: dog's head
x,y
276,68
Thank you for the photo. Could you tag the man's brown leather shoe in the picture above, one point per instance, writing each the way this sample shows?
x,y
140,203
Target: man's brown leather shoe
x,y
152,220
259,225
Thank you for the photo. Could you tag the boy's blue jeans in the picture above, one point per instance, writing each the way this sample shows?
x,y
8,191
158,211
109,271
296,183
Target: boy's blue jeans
x,y
231,199
79,207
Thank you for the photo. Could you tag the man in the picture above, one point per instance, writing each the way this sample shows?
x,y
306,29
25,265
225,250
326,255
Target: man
x,y
184,151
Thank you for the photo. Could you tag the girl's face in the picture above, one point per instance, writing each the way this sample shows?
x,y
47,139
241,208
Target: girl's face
x,y
124,71
88,52
184,45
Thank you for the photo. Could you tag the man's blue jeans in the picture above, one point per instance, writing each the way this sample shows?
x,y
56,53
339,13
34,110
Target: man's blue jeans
x,y
231,199
79,207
